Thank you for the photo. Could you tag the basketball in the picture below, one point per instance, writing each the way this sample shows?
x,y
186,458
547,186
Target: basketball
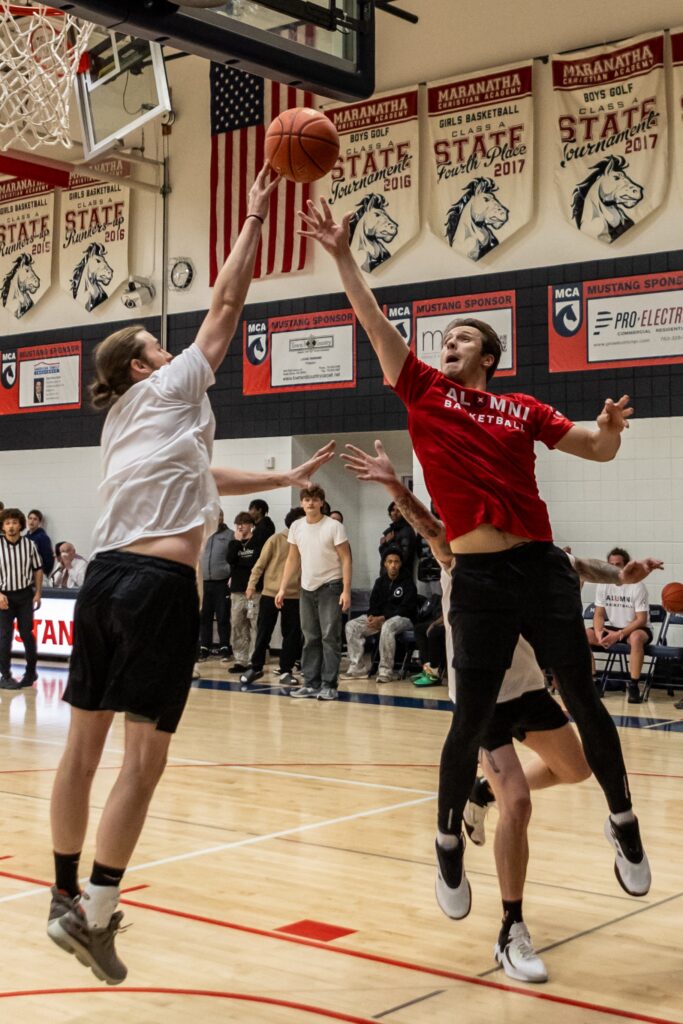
x,y
302,144
672,597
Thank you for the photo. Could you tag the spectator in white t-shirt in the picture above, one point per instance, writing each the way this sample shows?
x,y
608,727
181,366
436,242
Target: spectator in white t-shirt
x,y
318,545
622,615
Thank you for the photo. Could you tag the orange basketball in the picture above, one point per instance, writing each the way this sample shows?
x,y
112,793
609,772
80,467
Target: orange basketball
x,y
672,597
302,144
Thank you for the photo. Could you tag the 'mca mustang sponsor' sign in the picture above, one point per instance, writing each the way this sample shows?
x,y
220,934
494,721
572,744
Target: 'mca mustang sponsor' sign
x,y
26,217
481,165
611,119
376,175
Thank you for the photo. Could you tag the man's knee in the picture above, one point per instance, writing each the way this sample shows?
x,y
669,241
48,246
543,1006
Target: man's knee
x,y
515,807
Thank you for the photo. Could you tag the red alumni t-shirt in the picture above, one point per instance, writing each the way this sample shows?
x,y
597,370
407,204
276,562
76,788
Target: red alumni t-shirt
x,y
477,451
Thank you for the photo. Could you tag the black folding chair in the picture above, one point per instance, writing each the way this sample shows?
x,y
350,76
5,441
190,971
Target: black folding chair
x,y
664,653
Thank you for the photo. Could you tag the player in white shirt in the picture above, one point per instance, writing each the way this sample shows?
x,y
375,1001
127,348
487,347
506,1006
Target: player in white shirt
x,y
524,711
622,615
137,614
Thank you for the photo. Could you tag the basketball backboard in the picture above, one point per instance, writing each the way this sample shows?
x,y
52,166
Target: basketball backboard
x,y
326,46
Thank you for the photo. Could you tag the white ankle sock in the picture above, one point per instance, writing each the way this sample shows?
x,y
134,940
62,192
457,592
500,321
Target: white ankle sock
x,y
99,902
623,818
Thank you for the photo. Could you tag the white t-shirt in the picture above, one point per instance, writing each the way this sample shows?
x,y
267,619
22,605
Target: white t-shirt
x,y
157,444
622,603
524,674
320,562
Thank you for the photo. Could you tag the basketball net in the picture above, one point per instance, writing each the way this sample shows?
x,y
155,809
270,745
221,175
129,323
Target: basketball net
x,y
40,53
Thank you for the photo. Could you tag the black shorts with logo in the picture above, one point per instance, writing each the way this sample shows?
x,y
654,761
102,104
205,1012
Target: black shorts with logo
x,y
535,711
136,624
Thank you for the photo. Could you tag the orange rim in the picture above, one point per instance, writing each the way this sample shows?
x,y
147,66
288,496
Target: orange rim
x,y
27,12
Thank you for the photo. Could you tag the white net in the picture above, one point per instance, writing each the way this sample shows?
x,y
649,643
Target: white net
x,y
40,53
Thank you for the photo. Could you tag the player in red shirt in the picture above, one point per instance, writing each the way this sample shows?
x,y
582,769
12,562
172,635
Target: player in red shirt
x,y
477,453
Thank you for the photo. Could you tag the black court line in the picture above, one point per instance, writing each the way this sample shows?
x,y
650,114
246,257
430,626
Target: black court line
x,y
413,1002
597,928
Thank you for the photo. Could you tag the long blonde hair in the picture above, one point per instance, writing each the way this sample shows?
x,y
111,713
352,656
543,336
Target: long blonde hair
x,y
112,365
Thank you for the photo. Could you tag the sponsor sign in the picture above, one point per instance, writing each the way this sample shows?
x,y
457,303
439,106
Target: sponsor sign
x,y
616,322
94,231
42,378
432,316
26,242
677,63
376,175
53,628
481,157
310,351
611,168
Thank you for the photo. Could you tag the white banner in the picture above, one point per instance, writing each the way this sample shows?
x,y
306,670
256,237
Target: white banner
x,y
611,166
481,163
93,258
53,627
26,226
376,175
677,61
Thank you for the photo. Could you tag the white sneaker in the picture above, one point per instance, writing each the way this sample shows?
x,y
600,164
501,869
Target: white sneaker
x,y
631,865
519,959
356,673
474,818
386,677
453,893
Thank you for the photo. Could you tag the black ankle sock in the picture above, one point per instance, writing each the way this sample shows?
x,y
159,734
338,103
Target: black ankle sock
x,y
481,793
512,914
66,873
102,875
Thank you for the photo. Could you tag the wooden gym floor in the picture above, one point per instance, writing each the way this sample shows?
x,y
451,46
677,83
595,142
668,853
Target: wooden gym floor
x,y
286,872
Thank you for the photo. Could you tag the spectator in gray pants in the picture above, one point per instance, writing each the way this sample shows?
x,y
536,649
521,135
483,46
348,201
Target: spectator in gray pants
x,y
215,592
242,556
319,546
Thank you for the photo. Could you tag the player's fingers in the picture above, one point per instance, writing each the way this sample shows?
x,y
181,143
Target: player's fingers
x,y
358,452
379,447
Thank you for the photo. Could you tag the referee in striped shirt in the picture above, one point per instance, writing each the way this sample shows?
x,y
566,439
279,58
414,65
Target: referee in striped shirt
x,y
21,583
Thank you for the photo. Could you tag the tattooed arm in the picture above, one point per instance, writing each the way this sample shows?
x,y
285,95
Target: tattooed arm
x,y
592,570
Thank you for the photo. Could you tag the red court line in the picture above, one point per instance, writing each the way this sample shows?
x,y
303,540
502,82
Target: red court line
x,y
41,881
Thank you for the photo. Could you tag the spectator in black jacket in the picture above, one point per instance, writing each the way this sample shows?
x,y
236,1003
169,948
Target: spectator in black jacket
x,y
398,534
264,527
215,592
241,557
36,533
393,607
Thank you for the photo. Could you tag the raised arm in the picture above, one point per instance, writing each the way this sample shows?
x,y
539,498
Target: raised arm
x,y
599,445
232,284
243,481
389,346
379,470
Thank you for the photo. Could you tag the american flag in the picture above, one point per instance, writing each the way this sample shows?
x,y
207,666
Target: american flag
x,y
242,106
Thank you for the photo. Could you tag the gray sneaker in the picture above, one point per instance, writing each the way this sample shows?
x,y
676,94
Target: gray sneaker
x,y
60,904
93,947
305,691
328,693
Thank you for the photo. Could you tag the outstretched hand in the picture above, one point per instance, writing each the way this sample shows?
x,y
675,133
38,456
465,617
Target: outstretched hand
x,y
378,470
301,475
615,415
321,225
635,571
261,191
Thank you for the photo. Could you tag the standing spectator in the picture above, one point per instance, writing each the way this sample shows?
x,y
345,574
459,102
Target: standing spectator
x,y
269,566
215,591
264,527
21,582
336,514
393,608
69,570
399,534
241,558
36,533
319,548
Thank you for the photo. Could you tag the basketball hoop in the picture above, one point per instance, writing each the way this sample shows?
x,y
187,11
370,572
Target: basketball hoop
x,y
41,51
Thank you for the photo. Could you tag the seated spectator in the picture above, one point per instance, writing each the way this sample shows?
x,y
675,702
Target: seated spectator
x,y
336,514
215,592
36,533
393,607
398,534
241,557
269,567
622,615
264,527
430,637
69,570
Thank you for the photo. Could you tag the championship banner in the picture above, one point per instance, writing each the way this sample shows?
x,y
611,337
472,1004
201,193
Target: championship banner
x,y
612,135
376,175
93,259
616,322
499,309
43,378
26,219
677,62
306,352
481,134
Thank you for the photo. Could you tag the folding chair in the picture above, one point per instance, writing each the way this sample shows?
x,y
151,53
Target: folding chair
x,y
662,651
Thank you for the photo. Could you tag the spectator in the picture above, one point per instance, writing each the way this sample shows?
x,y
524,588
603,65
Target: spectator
x,y
399,534
69,570
318,546
36,533
241,557
269,566
326,509
264,527
430,637
336,514
622,615
393,607
21,582
215,592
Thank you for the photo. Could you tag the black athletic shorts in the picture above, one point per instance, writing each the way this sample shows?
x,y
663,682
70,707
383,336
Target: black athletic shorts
x,y
531,590
617,629
136,624
535,711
